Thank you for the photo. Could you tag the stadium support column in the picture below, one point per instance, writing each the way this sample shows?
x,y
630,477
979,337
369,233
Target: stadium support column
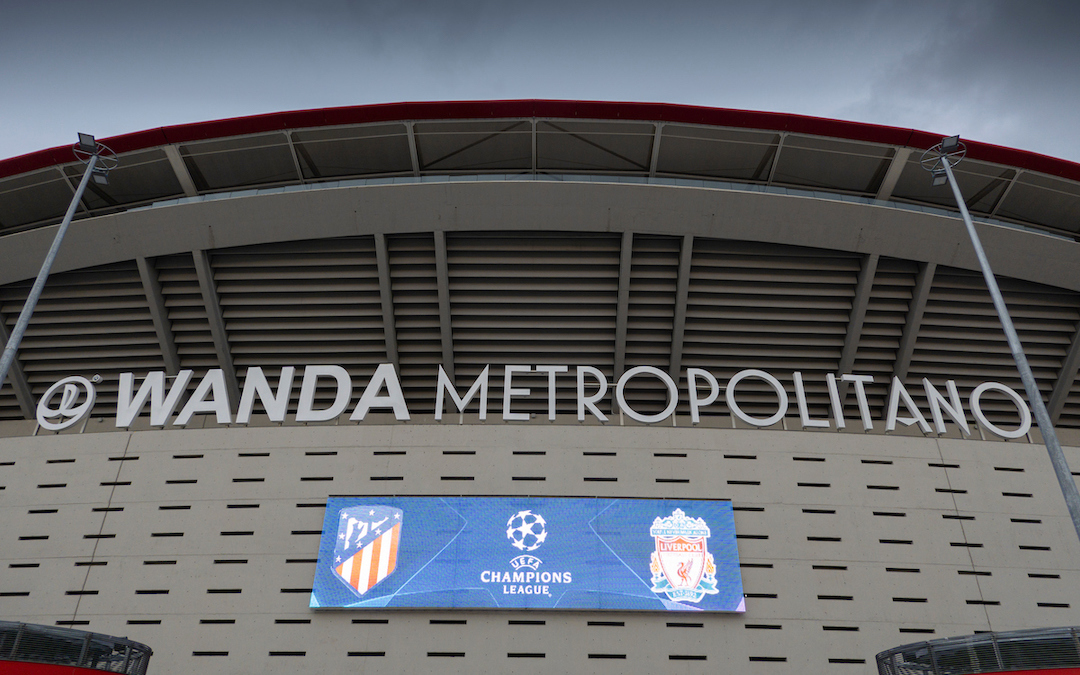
x,y
939,160
1065,377
216,319
857,316
892,174
622,309
682,296
159,314
386,299
924,279
442,279
654,160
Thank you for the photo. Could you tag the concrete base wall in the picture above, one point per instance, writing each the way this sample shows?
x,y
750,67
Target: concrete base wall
x,y
850,544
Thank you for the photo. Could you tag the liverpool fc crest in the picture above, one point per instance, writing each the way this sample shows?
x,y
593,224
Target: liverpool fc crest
x,y
682,567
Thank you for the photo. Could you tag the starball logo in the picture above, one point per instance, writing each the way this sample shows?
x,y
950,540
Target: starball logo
x,y
526,531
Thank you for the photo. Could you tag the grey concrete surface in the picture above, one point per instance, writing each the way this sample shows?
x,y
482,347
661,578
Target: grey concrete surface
x,y
926,556
544,206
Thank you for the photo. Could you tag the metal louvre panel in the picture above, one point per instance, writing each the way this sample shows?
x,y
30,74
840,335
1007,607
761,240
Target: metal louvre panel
x,y
533,298
961,337
991,652
654,274
11,302
302,303
70,650
90,322
548,298
186,312
1070,412
9,405
883,328
416,315
771,307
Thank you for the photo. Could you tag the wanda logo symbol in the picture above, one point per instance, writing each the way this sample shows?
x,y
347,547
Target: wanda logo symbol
x,y
77,396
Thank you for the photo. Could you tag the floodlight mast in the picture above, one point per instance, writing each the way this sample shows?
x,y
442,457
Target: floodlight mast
x,y
939,160
90,152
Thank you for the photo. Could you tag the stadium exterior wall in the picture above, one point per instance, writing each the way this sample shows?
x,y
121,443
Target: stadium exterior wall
x,y
849,543
200,541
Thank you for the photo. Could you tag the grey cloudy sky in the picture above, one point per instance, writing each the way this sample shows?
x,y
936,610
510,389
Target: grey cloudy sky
x,y
999,71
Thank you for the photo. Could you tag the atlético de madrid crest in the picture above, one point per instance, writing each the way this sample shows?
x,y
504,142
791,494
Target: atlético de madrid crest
x,y
682,567
365,552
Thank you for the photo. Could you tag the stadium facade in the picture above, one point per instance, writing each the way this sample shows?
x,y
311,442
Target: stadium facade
x,y
414,250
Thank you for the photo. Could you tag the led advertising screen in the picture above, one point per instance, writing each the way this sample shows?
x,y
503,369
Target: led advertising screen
x,y
528,552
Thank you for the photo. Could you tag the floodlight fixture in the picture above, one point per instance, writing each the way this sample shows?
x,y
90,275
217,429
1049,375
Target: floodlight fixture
x,y
939,161
98,158
950,151
87,143
950,144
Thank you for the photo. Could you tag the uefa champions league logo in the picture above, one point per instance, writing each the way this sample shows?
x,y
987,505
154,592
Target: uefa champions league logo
x,y
526,530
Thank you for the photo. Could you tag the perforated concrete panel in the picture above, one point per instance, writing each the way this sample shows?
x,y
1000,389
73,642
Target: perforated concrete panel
x,y
202,543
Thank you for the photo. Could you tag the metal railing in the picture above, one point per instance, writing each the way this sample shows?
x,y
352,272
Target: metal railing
x,y
27,642
985,653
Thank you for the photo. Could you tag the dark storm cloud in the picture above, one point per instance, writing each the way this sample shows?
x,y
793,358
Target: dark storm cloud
x,y
991,70
1003,72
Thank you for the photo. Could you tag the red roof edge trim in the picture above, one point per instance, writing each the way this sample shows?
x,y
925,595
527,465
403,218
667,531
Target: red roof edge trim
x,y
601,110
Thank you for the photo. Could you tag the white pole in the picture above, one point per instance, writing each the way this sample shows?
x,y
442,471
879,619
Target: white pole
x,y
39,284
1042,418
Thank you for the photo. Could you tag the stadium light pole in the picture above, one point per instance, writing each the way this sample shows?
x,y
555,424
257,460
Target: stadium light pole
x,y
99,160
939,161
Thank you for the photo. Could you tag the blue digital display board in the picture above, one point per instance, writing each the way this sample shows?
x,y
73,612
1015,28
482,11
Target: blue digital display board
x,y
528,552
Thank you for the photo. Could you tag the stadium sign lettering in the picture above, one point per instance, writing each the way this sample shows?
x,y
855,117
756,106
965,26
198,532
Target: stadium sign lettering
x,y
164,394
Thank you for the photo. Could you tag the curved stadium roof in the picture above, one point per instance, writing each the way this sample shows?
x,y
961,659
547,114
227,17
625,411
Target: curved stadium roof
x,y
534,136
700,299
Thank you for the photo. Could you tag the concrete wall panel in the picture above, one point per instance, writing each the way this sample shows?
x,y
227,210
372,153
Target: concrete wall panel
x,y
806,591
